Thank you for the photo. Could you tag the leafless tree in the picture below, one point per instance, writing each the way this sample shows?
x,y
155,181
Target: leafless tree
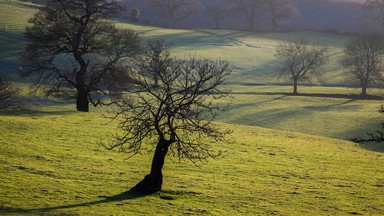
x,y
252,9
280,9
218,14
375,9
135,13
75,52
175,115
363,60
9,96
177,10
300,60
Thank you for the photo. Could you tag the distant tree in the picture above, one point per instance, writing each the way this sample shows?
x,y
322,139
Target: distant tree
x,y
75,52
252,9
9,96
280,9
175,115
218,14
300,60
363,60
375,10
177,10
135,13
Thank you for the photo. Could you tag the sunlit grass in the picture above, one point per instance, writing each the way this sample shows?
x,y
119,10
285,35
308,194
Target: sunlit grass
x,y
51,163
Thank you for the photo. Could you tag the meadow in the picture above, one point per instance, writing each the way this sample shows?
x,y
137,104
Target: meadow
x,y
52,163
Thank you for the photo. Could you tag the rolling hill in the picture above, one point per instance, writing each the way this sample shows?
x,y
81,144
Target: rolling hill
x,y
51,162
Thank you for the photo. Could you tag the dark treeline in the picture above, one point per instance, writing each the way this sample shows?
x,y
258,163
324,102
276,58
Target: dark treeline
x,y
324,15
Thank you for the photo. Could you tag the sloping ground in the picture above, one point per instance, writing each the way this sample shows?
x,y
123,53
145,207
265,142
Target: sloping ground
x,y
250,54
51,164
13,19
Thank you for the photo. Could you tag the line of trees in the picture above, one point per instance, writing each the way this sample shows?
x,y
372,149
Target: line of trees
x,y
252,10
362,59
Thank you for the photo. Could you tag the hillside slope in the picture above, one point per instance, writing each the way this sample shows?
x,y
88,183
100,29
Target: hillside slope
x,y
51,164
250,54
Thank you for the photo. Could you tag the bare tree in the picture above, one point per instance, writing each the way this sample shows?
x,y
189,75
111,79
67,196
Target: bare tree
x,y
218,14
300,60
9,96
135,13
280,9
252,9
375,9
176,115
75,52
177,10
363,60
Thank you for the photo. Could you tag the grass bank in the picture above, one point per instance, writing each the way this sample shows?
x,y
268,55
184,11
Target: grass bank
x,y
51,164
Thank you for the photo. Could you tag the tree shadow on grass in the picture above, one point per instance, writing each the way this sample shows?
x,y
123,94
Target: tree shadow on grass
x,y
323,95
128,195
34,113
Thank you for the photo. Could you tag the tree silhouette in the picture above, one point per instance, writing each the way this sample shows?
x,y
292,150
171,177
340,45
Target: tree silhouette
x,y
218,14
363,60
175,114
9,96
375,9
252,9
75,52
300,61
177,10
280,9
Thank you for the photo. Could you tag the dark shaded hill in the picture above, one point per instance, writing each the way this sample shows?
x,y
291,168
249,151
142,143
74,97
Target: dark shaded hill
x,y
330,15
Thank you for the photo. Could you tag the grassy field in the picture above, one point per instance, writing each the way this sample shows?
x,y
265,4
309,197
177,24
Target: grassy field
x,y
251,56
318,111
51,164
14,15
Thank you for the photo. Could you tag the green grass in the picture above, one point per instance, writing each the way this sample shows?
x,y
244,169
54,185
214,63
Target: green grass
x,y
251,56
51,165
324,113
14,14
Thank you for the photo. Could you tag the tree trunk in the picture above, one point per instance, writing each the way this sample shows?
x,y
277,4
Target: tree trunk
x,y
364,90
82,102
274,23
295,87
153,182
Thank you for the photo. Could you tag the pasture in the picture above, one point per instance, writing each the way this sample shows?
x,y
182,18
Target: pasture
x,y
51,163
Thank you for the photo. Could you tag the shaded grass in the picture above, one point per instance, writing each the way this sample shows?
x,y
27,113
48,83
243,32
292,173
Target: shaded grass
x,y
338,115
14,14
51,164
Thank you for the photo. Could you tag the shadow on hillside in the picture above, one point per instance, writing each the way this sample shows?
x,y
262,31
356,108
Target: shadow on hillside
x,y
34,113
128,195
373,146
342,96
